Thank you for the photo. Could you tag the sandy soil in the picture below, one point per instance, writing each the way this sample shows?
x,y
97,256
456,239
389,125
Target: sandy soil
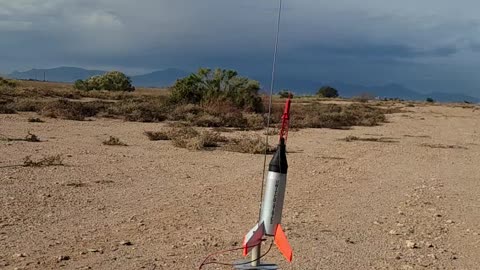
x,y
349,205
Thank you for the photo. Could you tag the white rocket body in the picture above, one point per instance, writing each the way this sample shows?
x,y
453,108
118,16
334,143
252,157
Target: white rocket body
x,y
272,206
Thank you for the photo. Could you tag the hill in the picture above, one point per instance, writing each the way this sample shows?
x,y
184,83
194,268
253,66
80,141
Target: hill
x,y
160,78
60,74
70,74
167,77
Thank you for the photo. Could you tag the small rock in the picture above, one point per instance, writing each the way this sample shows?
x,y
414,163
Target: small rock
x,y
93,250
392,232
433,256
438,215
126,243
20,255
449,221
411,244
63,258
376,222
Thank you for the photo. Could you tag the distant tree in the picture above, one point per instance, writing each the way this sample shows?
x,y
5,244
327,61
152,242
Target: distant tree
x,y
328,92
112,81
218,85
284,93
116,81
430,100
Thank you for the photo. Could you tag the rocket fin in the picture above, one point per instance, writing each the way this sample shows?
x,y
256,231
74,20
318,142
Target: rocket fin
x,y
253,238
282,243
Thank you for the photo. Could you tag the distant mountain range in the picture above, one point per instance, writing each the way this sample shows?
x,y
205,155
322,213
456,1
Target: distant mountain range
x,y
168,77
160,78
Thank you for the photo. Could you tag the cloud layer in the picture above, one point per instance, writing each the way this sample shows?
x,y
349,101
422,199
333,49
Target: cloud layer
x,y
430,44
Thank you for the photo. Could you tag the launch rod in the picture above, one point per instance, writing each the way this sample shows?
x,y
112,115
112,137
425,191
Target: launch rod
x,y
256,251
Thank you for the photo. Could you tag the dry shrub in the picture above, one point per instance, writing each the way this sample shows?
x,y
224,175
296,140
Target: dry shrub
x,y
254,121
73,110
139,110
29,105
7,83
178,124
207,120
224,129
249,145
7,107
336,116
157,136
55,160
364,97
114,141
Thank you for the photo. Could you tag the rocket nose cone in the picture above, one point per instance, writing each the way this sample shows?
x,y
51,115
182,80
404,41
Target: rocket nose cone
x,y
279,160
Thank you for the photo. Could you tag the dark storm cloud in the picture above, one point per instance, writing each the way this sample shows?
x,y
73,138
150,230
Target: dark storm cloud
x,y
349,40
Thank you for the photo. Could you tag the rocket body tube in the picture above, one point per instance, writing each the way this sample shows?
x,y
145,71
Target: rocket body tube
x,y
272,204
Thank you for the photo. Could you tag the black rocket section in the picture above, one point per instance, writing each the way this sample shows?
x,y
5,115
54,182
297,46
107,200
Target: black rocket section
x,y
279,163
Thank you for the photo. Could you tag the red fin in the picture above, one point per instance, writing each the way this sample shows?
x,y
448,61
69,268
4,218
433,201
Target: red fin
x,y
282,243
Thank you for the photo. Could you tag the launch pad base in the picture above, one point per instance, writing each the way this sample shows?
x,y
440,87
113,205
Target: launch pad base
x,y
261,266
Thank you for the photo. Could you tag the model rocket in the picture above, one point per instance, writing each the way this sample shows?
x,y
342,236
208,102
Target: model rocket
x,y
273,198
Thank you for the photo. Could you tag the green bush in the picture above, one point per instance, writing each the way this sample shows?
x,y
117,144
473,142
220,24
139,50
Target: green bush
x,y
112,81
218,85
328,92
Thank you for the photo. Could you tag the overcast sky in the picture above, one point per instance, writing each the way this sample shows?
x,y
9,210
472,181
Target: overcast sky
x,y
427,45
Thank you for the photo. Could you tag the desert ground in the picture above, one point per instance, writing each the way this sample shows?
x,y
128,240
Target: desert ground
x,y
409,200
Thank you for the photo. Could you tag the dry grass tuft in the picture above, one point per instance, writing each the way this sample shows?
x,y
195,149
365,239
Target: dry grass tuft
x,y
443,146
35,120
157,136
114,141
76,184
55,160
351,138
193,140
32,138
29,138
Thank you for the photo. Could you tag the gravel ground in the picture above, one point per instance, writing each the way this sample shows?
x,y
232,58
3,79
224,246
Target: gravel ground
x,y
412,202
